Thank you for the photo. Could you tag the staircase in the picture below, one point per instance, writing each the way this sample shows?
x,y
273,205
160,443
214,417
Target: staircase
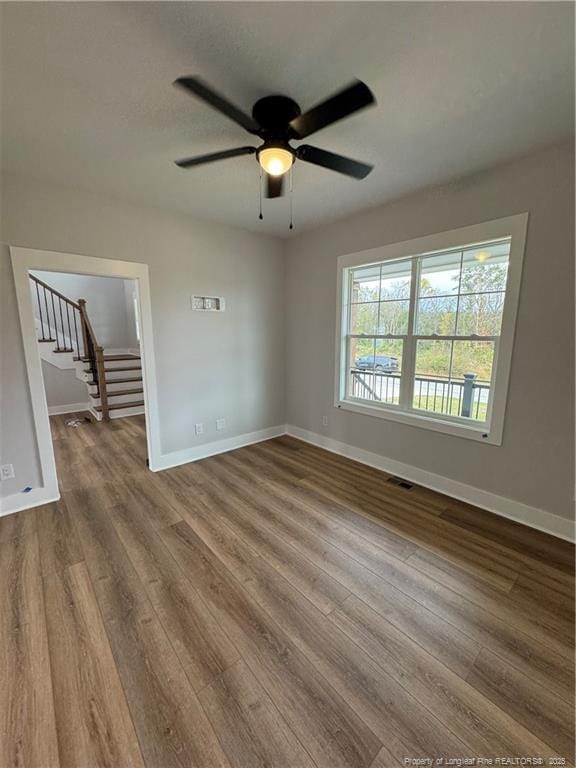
x,y
114,381
122,383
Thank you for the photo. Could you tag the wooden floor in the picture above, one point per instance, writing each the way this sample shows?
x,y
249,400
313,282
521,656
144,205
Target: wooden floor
x,y
273,606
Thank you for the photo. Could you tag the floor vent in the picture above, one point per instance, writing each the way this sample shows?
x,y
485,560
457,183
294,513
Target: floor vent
x,y
401,483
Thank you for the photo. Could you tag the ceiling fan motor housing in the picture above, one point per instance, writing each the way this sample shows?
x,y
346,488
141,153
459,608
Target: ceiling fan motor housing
x,y
273,114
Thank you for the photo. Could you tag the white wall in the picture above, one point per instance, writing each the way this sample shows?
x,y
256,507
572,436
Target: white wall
x,y
129,293
208,365
535,464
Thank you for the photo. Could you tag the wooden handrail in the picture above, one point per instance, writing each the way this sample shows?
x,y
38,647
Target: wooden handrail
x,y
84,323
54,291
82,307
95,354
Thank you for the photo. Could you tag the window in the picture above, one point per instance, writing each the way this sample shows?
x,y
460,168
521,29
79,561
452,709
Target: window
x,y
426,332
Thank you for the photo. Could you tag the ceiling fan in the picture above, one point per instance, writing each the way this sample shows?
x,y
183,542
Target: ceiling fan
x,y
277,120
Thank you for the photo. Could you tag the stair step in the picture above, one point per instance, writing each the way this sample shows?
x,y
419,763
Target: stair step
x,y
113,381
113,370
59,351
120,392
44,341
126,368
121,357
117,406
114,357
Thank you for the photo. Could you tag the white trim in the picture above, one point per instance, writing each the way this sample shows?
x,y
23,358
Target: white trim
x,y
122,413
26,259
17,502
500,505
491,432
56,410
413,419
176,458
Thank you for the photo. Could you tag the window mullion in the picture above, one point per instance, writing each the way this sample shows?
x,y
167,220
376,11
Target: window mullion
x,y
456,318
409,356
377,329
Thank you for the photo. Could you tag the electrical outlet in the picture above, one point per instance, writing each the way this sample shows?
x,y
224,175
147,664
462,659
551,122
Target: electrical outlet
x,y
199,429
7,472
324,421
220,423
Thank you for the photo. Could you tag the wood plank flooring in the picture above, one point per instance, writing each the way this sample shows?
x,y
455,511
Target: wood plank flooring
x,y
277,606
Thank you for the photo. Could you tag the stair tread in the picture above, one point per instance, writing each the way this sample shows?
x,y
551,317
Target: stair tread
x,y
122,357
59,351
43,341
117,393
113,370
114,381
124,368
117,406
115,357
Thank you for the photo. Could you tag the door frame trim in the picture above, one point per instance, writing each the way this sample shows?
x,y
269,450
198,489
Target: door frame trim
x,y
26,259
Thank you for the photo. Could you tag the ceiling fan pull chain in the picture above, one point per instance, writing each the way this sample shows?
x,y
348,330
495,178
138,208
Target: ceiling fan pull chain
x,y
260,189
291,196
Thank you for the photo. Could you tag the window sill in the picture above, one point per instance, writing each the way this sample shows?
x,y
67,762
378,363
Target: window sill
x,y
480,433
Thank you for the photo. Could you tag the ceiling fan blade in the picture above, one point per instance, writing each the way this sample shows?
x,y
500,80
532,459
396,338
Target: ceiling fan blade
x,y
189,162
334,162
274,185
203,91
356,96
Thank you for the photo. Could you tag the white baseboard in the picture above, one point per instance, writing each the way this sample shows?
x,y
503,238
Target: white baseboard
x,y
124,412
500,505
187,455
514,510
17,502
56,410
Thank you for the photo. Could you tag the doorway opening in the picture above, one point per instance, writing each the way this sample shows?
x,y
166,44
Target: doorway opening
x,y
87,332
86,327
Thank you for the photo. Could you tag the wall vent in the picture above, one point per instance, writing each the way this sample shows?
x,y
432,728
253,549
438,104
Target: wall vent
x,y
401,483
207,303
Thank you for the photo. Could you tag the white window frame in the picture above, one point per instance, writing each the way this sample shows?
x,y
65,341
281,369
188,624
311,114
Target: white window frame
x,y
490,431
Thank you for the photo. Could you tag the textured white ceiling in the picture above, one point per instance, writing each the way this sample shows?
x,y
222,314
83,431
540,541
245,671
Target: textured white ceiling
x,y
87,97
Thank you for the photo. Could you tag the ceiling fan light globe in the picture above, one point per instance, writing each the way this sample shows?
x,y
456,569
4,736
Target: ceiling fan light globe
x,y
275,160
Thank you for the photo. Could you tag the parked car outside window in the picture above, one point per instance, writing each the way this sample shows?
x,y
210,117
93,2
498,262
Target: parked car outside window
x,y
377,363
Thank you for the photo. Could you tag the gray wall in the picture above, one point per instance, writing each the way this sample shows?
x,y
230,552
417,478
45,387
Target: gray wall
x,y
535,463
208,365
105,304
62,387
